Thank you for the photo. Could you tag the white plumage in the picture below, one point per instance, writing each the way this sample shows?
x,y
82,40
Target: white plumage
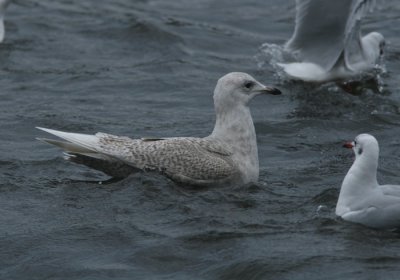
x,y
362,200
327,41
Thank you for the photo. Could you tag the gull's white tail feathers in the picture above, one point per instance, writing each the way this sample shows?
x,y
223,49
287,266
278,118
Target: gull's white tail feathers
x,y
305,71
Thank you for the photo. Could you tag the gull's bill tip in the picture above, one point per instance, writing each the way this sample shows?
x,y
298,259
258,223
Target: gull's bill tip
x,y
348,145
271,90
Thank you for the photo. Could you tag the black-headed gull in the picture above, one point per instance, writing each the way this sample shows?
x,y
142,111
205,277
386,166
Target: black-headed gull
x,y
362,200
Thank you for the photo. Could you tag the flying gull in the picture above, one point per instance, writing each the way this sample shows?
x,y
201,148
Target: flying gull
x,y
327,41
228,155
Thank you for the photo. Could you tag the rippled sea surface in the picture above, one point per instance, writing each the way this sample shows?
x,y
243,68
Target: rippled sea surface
x,y
148,68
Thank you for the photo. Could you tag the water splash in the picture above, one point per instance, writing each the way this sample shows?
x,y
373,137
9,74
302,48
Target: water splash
x,y
270,55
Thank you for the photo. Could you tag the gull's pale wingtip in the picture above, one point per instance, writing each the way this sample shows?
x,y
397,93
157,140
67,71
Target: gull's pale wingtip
x,y
57,133
42,128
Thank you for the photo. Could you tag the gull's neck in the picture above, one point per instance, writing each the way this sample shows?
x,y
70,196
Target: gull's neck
x,y
234,126
360,180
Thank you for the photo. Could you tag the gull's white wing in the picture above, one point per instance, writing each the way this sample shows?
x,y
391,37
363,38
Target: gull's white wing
x,y
326,28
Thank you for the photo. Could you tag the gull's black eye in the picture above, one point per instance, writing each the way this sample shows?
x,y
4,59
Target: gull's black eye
x,y
249,84
355,143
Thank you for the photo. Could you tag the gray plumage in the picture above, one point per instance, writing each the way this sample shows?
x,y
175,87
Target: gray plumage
x,y
228,155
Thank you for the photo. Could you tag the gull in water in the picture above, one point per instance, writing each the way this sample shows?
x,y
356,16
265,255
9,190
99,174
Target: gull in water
x,y
228,155
362,200
327,41
3,6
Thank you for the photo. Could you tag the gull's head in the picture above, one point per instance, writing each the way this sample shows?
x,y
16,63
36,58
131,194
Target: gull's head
x,y
364,145
377,41
237,88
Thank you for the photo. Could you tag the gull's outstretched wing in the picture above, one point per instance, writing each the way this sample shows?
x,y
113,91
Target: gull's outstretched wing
x,y
327,29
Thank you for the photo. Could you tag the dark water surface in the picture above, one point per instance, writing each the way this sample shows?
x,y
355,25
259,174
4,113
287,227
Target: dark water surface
x,y
148,68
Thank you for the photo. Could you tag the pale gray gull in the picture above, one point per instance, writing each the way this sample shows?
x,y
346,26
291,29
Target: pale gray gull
x,y
362,200
3,6
327,41
228,155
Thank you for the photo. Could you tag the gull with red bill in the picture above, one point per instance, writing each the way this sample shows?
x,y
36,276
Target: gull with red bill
x,y
362,200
